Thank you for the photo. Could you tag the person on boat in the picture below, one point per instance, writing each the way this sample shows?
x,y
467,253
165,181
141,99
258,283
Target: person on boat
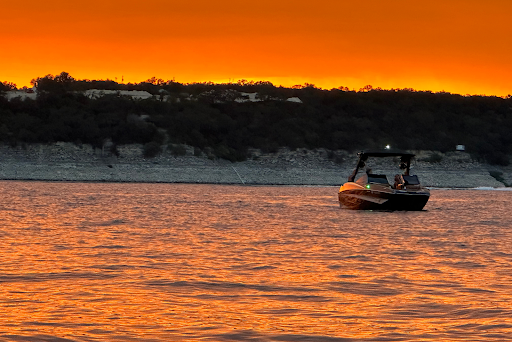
x,y
399,181
403,166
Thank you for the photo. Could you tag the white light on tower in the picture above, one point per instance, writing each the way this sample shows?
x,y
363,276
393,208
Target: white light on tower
x,y
388,147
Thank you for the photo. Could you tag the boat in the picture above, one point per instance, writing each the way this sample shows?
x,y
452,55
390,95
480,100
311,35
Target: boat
x,y
372,191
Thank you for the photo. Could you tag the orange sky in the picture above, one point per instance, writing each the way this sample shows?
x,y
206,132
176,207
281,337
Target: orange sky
x,y
460,46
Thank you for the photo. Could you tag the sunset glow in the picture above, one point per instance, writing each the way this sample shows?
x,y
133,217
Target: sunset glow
x,y
453,45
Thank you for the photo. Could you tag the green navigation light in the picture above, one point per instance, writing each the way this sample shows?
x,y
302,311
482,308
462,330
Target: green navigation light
x,y
367,186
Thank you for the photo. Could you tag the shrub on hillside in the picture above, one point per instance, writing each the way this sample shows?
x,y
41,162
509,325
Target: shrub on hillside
x,y
433,158
152,149
497,158
178,150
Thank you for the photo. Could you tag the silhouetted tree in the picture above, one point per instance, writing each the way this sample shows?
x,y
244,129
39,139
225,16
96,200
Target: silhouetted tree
x,y
7,86
208,117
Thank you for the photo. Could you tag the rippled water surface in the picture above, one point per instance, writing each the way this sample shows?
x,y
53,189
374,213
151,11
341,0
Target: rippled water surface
x,y
168,262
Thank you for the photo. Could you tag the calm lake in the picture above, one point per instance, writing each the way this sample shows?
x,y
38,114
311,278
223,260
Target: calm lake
x,y
177,262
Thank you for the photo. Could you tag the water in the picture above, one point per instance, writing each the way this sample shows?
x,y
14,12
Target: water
x,y
167,262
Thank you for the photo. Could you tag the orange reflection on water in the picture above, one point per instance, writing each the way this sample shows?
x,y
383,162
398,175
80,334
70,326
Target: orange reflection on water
x,y
183,262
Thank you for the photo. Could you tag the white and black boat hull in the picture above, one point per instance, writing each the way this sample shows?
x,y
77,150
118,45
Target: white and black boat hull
x,y
364,199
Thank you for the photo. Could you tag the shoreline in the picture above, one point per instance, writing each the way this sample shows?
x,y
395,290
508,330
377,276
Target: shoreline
x,y
499,188
66,162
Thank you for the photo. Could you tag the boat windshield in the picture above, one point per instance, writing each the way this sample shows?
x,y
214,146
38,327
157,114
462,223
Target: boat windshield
x,y
380,179
372,179
411,180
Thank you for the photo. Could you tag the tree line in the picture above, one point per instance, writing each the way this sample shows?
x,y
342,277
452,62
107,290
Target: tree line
x,y
211,117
